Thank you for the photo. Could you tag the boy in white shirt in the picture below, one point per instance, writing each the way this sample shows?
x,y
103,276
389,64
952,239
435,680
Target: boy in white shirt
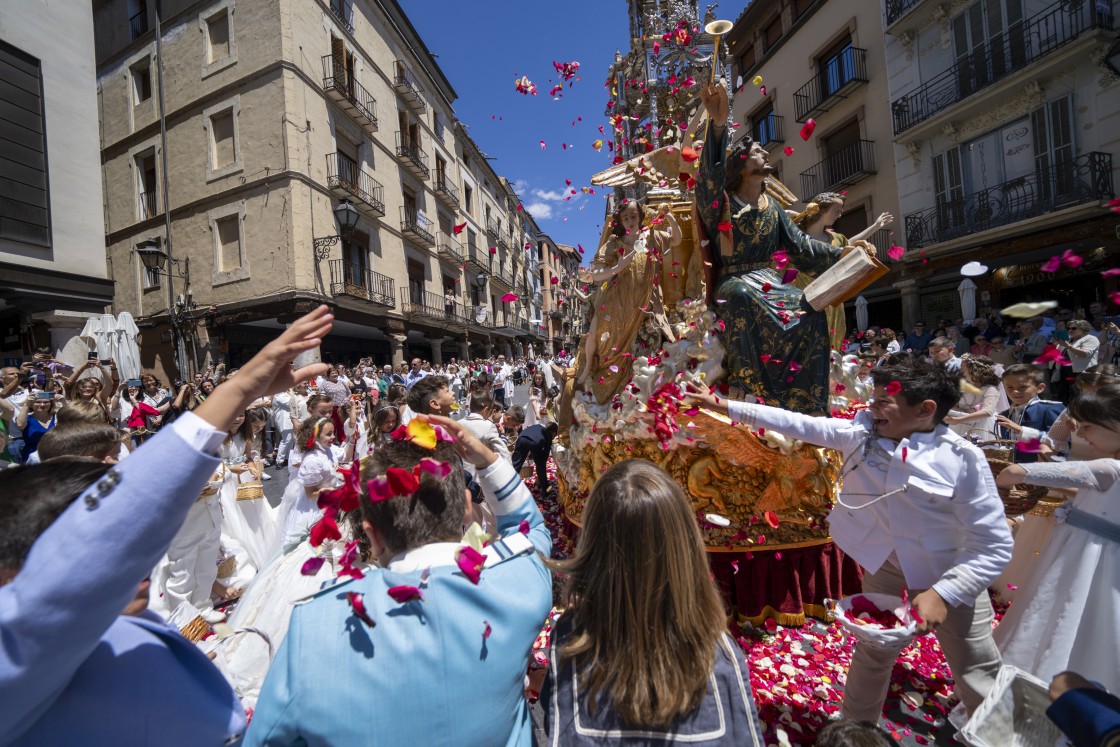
x,y
918,510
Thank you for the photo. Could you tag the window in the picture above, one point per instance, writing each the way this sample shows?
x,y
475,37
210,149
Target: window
x,y
416,282
852,222
746,59
222,150
219,47
24,193
988,40
229,243
220,122
468,199
845,157
141,81
800,7
764,128
147,189
1052,128
437,125
217,36
227,225
773,33
837,67
441,171
355,259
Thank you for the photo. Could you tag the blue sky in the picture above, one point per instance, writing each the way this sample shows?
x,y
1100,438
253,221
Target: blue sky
x,y
483,46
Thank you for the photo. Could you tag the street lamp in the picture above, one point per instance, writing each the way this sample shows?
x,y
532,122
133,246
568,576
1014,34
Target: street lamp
x,y
154,260
1112,57
347,216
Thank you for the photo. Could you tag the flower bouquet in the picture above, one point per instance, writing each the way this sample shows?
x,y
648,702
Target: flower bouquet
x,y
880,620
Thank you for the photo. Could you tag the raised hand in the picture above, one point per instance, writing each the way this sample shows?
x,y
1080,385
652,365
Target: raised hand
x,y
714,98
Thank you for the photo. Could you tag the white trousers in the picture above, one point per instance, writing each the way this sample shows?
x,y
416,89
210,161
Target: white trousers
x,y
965,638
287,438
193,555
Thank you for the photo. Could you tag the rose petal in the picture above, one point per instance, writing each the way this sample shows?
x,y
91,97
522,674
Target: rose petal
x,y
523,527
807,129
401,481
358,606
470,562
724,226
486,629
379,490
896,252
1052,264
789,276
311,566
434,467
893,388
788,150
771,519
458,229
403,594
421,433
324,529
1030,446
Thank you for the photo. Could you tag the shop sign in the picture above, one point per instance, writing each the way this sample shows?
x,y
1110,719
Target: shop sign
x,y
1016,276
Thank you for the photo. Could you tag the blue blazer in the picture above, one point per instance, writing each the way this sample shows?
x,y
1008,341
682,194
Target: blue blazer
x,y
425,674
1089,717
1039,415
72,669
535,441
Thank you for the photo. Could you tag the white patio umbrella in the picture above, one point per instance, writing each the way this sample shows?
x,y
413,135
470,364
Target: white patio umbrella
x,y
105,338
127,350
967,291
861,313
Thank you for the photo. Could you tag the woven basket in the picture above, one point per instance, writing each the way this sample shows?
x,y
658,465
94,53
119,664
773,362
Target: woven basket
x,y
227,567
250,491
996,447
1046,506
1019,499
195,630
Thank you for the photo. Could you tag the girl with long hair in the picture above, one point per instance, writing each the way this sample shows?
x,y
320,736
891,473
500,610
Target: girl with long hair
x,y
248,525
642,651
979,404
318,469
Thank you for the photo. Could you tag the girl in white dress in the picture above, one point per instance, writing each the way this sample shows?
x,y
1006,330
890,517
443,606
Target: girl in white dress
x,y
249,526
299,508
1067,615
976,410
1032,531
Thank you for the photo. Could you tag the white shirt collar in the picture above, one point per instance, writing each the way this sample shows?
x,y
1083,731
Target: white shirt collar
x,y
425,556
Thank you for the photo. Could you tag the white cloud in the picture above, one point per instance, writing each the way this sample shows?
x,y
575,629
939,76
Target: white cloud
x,y
539,210
552,195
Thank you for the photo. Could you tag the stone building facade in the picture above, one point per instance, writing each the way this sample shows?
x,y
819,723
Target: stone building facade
x,y
283,155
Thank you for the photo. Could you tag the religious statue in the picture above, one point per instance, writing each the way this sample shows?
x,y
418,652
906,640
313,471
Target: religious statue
x,y
777,345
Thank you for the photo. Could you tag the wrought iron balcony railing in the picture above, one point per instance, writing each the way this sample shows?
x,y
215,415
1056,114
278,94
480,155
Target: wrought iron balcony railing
x,y
416,303
897,9
408,87
348,279
138,24
449,248
346,179
846,166
446,191
1002,55
768,130
882,241
1085,179
417,226
148,205
493,229
412,156
349,93
841,74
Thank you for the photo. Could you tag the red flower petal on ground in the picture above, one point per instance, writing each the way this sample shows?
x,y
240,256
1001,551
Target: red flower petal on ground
x,y
311,566
403,594
470,562
401,481
358,605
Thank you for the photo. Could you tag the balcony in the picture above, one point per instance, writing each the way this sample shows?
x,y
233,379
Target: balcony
x,y
1002,56
346,179
898,8
446,192
478,259
412,157
841,74
147,205
768,130
138,24
501,277
349,94
431,307
1085,180
357,282
408,87
417,227
493,230
882,241
450,250
344,16
847,166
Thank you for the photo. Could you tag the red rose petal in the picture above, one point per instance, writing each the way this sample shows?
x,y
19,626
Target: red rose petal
x,y
403,594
